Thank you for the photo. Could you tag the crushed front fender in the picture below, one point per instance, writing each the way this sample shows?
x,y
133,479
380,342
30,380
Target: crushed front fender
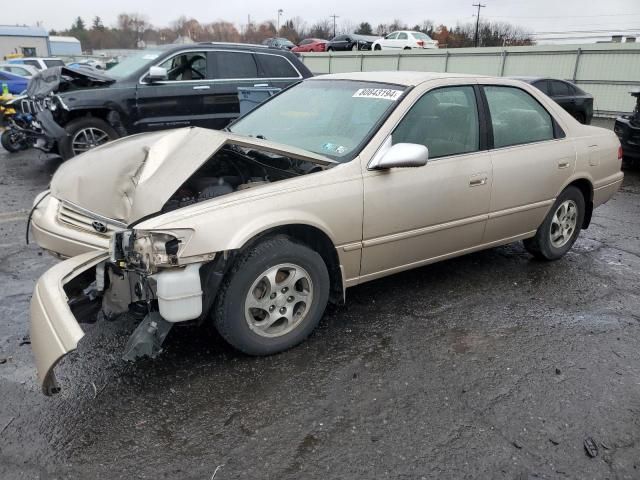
x,y
54,329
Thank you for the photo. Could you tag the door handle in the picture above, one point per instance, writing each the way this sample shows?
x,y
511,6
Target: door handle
x,y
562,165
476,182
201,87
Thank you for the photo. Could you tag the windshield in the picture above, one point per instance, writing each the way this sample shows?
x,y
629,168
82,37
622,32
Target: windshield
x,y
329,117
132,63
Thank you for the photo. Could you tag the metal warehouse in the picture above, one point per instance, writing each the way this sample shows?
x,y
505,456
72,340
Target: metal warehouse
x,y
64,46
23,40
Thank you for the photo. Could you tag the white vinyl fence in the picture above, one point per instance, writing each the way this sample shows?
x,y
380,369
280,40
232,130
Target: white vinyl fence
x,y
606,70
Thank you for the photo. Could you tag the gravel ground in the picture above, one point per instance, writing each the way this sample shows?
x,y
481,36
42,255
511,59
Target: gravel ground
x,y
491,365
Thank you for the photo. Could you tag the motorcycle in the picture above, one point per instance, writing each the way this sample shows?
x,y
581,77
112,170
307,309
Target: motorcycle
x,y
22,120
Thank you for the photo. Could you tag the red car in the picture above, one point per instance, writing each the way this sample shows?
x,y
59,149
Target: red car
x,y
311,45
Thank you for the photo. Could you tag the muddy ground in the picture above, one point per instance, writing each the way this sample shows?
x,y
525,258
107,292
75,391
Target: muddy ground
x,y
491,365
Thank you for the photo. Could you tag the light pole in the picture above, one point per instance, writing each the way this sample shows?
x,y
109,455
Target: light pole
x,y
280,12
334,23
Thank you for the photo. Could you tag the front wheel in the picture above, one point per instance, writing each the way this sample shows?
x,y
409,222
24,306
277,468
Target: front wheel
x,y
560,228
354,48
377,47
10,142
85,133
330,49
273,297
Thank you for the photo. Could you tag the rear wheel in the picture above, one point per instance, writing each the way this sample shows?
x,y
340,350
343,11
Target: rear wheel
x,y
560,228
273,297
10,142
85,133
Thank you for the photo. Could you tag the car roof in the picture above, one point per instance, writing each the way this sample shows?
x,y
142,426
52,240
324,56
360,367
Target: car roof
x,y
397,77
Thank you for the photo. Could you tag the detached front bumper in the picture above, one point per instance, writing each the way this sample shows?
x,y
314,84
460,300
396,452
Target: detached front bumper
x,y
54,330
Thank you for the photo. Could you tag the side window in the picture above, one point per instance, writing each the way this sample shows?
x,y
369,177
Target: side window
x,y
339,38
33,63
305,42
20,71
517,117
275,66
543,86
560,89
392,36
236,65
445,120
402,36
186,66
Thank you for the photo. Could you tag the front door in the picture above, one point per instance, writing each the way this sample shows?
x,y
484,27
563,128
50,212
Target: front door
x,y
416,215
531,158
178,101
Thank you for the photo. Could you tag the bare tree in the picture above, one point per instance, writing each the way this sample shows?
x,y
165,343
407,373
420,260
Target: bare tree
x,y
321,29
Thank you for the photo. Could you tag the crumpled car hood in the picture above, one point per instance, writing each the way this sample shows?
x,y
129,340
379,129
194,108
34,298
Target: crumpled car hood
x,y
133,177
61,79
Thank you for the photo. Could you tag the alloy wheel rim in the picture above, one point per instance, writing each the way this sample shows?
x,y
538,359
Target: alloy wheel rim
x,y
88,138
278,300
563,223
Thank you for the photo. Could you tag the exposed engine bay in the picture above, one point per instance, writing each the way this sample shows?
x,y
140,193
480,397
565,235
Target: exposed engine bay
x,y
235,168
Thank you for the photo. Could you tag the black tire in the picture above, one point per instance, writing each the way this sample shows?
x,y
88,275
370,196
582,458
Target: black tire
x,y
79,124
229,315
330,49
541,245
377,47
407,48
8,144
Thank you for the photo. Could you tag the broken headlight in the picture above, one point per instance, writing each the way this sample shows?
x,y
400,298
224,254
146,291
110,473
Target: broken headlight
x,y
148,250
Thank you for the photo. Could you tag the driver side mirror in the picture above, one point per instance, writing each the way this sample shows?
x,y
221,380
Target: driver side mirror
x,y
401,155
348,39
156,74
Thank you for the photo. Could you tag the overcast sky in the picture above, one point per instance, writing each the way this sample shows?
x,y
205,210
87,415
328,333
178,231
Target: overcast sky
x,y
535,15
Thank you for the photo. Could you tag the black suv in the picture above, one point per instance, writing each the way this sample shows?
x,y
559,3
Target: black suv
x,y
181,86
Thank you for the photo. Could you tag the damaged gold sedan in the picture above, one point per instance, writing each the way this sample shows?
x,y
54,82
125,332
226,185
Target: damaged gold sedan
x,y
336,181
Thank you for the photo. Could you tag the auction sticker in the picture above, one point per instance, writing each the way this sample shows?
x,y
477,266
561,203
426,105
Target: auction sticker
x,y
386,93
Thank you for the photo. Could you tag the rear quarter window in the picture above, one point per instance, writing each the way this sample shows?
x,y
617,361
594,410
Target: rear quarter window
x,y
275,66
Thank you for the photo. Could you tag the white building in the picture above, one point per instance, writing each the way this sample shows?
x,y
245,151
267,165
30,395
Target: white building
x,y
64,46
23,40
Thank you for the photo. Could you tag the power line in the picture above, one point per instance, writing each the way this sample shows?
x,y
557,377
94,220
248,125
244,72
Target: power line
x,y
334,23
479,5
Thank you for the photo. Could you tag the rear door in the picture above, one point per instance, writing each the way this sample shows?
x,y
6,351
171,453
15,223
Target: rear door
x,y
532,159
401,40
233,69
179,100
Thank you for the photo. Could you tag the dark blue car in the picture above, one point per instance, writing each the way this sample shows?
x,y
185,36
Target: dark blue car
x,y
16,83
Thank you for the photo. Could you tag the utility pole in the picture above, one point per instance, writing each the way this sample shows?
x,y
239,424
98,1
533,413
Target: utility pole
x,y
479,5
280,12
334,23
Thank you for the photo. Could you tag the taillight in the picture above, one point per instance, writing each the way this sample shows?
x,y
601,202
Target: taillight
x,y
620,153
420,43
